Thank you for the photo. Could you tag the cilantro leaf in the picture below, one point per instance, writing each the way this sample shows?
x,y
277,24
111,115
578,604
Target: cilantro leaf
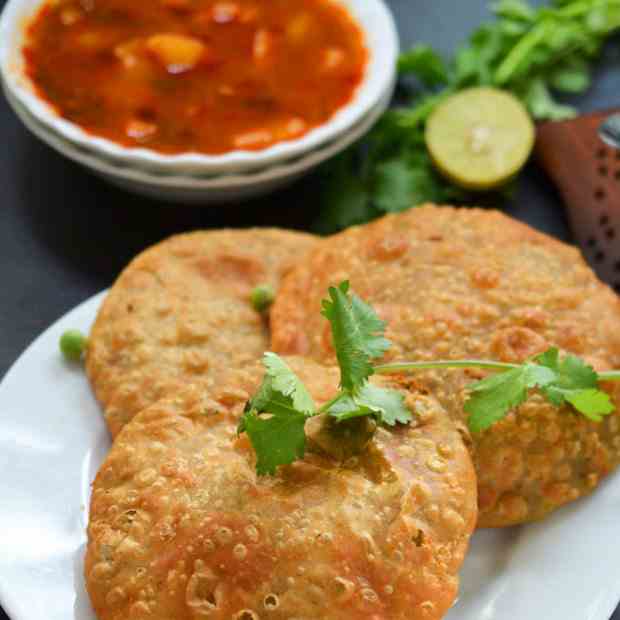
x,y
575,383
274,419
575,373
396,186
268,401
357,334
345,407
594,404
277,440
426,64
287,383
388,405
542,105
345,199
402,183
571,374
572,76
492,398
515,10
550,358
520,58
358,338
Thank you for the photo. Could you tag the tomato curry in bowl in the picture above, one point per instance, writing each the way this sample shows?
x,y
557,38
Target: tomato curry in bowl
x,y
196,87
204,76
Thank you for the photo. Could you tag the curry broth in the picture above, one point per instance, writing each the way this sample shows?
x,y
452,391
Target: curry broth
x,y
196,75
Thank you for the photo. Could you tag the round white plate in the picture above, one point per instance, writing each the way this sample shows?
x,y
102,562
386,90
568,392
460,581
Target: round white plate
x,y
52,440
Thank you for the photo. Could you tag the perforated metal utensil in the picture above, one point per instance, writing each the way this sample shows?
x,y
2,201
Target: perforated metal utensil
x,y
609,131
585,166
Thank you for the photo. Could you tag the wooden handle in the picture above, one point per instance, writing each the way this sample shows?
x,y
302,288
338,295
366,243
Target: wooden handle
x,y
587,173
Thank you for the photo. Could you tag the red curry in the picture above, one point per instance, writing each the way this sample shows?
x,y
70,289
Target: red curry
x,y
196,75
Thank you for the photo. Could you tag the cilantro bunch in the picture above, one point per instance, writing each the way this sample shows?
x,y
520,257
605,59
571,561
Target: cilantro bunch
x,y
533,53
276,416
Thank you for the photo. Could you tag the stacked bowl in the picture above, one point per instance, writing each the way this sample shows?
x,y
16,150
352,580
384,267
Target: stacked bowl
x,y
194,177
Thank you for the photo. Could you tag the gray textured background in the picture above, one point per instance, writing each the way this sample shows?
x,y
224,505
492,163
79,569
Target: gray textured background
x,y
64,235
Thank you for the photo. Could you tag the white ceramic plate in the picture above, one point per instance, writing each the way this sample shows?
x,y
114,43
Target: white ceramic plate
x,y
52,440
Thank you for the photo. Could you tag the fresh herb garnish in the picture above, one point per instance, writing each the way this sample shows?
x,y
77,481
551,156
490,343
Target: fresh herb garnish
x,y
275,417
530,52
357,334
560,381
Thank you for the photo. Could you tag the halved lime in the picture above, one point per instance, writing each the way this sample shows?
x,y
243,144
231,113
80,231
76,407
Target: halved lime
x,y
480,137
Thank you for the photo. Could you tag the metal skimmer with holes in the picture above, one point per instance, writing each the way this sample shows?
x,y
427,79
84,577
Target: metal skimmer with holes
x,y
586,170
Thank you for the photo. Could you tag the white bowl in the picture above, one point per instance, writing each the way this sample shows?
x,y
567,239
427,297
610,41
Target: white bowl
x,y
381,40
198,189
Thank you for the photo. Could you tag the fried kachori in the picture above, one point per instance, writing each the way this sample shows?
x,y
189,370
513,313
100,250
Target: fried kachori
x,y
181,526
181,312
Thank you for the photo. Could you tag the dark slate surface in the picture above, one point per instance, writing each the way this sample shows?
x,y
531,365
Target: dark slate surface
x,y
64,234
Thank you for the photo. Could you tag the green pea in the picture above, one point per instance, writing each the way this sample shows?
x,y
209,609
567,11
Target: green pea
x,y
262,297
73,344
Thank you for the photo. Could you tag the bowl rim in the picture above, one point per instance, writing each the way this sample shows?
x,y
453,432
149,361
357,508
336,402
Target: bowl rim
x,y
381,40
172,180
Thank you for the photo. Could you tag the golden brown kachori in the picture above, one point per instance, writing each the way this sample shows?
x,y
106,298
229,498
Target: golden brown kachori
x,y
181,526
181,313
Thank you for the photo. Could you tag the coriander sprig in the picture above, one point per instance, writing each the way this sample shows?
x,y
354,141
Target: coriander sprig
x,y
357,334
275,417
561,380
